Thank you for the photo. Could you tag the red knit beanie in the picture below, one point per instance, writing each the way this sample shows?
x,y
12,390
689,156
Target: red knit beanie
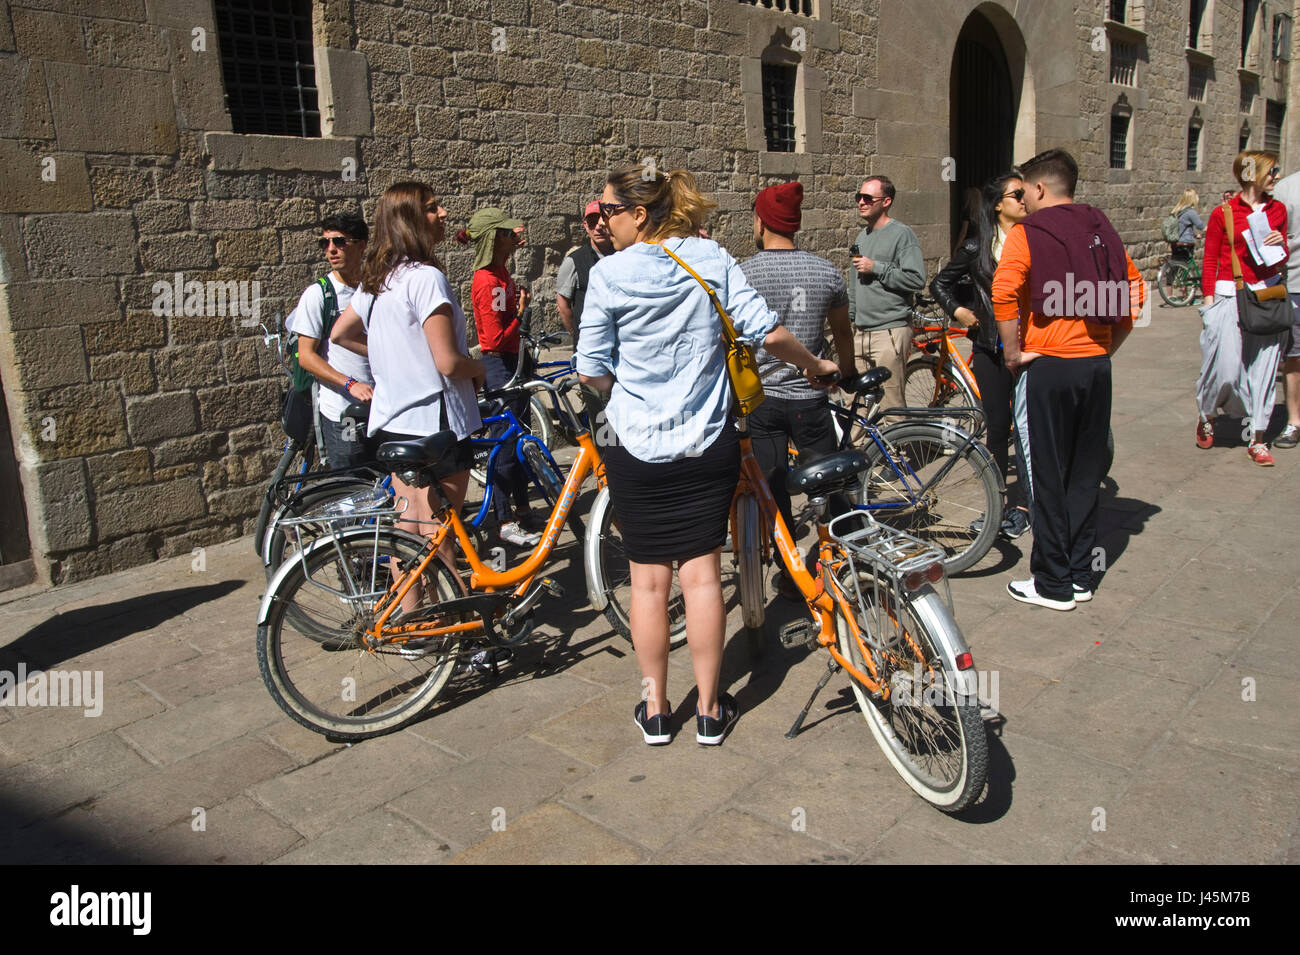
x,y
778,207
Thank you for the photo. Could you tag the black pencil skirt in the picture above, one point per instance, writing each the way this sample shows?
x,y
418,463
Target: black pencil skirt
x,y
675,510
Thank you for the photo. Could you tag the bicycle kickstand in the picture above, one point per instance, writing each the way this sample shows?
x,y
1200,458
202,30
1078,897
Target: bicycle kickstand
x,y
832,667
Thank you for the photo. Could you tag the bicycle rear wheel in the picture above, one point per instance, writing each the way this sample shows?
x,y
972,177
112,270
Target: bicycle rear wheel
x,y
1176,283
929,386
614,578
933,488
310,646
282,542
930,727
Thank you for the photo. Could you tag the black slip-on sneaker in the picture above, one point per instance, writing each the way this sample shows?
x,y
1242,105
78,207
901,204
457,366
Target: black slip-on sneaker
x,y
656,729
710,730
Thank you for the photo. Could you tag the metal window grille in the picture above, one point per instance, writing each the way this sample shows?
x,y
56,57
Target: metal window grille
x,y
803,8
1117,10
1248,91
1193,148
1198,78
1273,115
268,66
778,107
1118,141
1123,64
1195,16
1243,137
1282,38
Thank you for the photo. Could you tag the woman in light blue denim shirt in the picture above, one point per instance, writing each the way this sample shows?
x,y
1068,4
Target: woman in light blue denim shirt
x,y
649,334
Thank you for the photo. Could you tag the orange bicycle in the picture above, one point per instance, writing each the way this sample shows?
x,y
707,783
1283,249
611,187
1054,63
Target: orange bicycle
x,y
939,377
875,608
361,629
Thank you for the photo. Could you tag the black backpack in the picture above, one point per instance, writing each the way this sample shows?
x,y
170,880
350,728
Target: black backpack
x,y
302,378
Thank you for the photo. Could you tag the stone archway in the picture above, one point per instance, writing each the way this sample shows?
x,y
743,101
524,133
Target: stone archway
x,y
991,103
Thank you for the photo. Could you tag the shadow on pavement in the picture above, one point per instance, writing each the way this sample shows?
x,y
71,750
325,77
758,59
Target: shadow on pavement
x,y
28,835
70,634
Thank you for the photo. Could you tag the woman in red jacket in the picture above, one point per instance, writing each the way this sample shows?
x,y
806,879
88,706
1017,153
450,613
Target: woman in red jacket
x,y
498,305
1236,367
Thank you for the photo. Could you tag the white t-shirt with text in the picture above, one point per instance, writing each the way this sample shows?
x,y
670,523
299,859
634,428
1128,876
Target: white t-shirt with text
x,y
309,319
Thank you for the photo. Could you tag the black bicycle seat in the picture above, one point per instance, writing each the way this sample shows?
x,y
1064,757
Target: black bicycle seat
x,y
404,455
503,395
867,381
826,473
357,412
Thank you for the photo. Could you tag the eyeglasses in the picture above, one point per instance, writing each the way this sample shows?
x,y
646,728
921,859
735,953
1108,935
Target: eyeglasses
x,y
868,198
1017,194
610,209
1275,171
339,241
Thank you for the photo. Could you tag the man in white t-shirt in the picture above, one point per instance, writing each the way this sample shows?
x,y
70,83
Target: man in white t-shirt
x,y
344,376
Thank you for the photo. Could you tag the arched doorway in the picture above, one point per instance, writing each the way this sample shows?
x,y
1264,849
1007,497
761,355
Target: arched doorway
x,y
984,99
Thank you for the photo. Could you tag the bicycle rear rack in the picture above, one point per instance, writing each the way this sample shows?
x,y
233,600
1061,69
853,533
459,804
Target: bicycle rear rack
x,y
891,560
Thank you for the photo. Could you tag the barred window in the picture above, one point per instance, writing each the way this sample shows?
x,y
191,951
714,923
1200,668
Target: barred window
x,y
1248,91
778,107
1273,115
1193,147
1243,137
803,8
268,66
1123,64
1117,10
1119,123
1198,78
1249,13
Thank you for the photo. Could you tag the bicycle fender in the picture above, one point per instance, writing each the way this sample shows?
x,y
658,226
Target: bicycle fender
x,y
591,549
955,434
268,599
927,604
749,562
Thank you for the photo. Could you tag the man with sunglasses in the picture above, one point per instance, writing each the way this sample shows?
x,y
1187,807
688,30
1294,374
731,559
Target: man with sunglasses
x,y
343,376
888,272
571,281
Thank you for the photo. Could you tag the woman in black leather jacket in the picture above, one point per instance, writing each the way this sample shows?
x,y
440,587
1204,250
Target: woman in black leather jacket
x,y
971,271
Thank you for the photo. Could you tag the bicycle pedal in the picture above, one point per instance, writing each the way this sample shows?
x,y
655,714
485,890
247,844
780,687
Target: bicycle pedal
x,y
797,633
552,587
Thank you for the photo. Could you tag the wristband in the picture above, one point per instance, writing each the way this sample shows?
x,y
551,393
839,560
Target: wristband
x,y
347,385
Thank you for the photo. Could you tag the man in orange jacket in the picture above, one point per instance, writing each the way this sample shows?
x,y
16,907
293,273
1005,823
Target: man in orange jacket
x,y
1064,295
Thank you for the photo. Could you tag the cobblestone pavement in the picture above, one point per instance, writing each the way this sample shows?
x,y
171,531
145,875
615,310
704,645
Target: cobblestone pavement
x,y
1157,723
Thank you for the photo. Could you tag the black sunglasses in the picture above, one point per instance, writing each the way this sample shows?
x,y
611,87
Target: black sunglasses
x,y
339,241
1275,171
1019,194
608,209
868,198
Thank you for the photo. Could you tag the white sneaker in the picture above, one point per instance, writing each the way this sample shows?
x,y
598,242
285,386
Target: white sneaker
x,y
1081,594
1027,593
512,533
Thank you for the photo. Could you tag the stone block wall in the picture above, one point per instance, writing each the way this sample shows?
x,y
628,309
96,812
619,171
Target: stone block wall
x,y
144,434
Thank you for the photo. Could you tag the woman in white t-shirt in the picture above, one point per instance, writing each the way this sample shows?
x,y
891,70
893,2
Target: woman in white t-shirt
x,y
405,317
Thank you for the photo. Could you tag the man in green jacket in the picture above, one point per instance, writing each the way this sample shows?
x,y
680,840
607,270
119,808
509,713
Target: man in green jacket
x,y
888,273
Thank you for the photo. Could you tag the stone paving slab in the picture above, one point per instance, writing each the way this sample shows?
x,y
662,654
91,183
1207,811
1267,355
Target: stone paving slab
x,y
1124,736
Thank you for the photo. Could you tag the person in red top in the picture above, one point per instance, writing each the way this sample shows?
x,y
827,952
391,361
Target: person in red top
x,y
1238,368
498,306
1065,293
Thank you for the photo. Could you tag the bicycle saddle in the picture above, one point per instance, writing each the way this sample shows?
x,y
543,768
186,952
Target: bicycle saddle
x,y
502,394
404,455
828,472
867,381
357,412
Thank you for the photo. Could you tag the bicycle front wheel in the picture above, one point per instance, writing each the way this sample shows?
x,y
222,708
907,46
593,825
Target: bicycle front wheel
x,y
311,649
614,578
1176,283
930,727
933,487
